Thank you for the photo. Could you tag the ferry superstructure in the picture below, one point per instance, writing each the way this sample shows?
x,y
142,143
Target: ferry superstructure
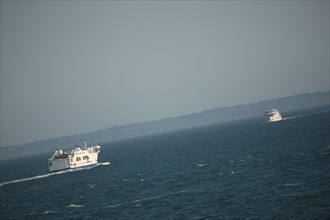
x,y
78,158
273,115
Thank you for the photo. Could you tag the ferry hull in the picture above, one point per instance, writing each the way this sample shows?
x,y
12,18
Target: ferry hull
x,y
274,120
84,167
75,168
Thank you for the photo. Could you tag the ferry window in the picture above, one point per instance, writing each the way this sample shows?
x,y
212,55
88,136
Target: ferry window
x,y
78,159
85,157
50,164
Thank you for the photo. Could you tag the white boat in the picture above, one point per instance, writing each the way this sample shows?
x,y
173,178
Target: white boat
x,y
78,158
273,115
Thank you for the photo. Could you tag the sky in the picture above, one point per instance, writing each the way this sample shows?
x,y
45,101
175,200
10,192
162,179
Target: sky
x,y
70,67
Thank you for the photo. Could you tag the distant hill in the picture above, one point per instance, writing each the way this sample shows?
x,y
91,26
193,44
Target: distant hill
x,y
213,116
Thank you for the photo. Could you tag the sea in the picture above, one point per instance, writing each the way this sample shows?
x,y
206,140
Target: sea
x,y
244,169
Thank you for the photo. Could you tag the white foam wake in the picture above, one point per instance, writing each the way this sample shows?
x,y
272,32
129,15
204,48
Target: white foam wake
x,y
34,177
74,206
304,115
46,175
104,164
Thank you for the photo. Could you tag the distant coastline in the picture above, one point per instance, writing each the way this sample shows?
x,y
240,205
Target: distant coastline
x,y
213,116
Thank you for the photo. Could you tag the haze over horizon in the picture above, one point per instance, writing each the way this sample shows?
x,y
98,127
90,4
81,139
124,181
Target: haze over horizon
x,y
79,66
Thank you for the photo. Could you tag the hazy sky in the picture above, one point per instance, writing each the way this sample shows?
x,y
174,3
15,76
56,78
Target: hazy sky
x,y
70,67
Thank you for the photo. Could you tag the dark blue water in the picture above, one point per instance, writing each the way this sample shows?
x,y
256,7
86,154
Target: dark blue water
x,y
240,170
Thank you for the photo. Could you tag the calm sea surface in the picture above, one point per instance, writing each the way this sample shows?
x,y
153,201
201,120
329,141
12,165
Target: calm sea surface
x,y
240,170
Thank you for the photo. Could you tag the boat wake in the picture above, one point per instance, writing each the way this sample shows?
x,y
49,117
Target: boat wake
x,y
103,164
46,175
304,115
34,178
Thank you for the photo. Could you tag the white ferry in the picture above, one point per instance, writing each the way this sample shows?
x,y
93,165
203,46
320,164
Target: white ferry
x,y
273,115
78,158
